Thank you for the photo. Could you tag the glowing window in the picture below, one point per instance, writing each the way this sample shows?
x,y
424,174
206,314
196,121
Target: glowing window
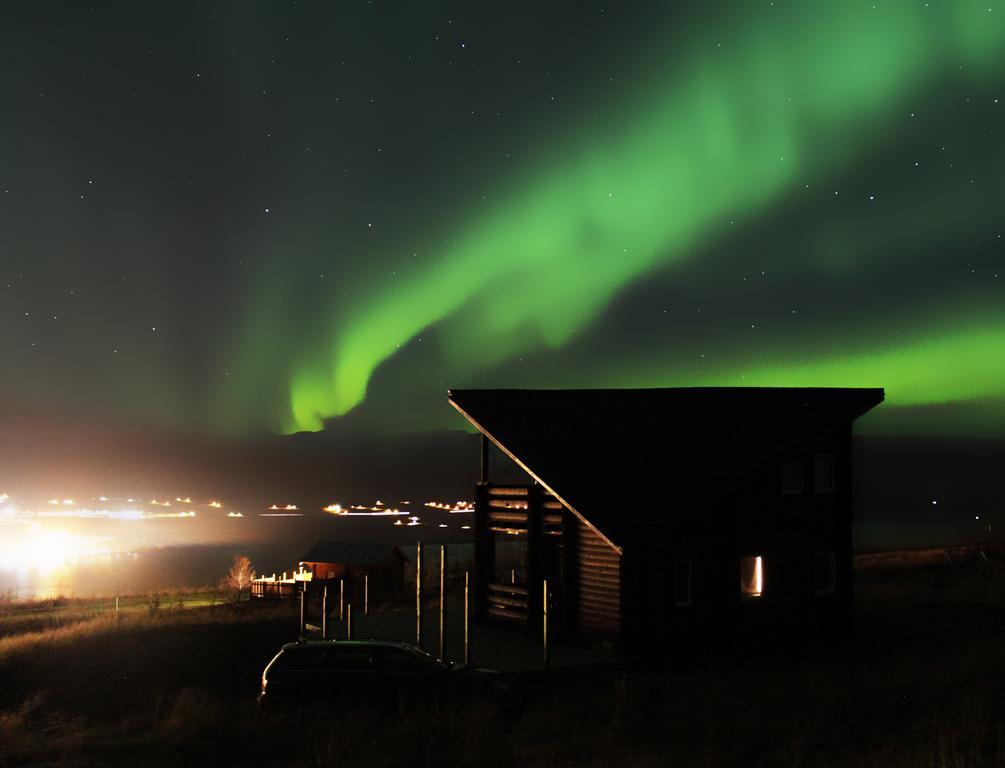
x,y
824,576
823,473
682,583
792,478
752,576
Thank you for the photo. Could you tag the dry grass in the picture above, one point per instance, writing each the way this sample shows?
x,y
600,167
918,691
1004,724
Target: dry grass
x,y
921,685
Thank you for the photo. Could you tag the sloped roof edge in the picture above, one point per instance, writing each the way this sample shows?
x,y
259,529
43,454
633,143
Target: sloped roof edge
x,y
534,475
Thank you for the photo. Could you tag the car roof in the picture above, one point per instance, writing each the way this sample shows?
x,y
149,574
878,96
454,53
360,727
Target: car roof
x,y
367,644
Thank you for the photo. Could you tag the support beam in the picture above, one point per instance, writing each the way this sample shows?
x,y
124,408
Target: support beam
x,y
303,610
443,592
418,594
544,621
324,612
467,619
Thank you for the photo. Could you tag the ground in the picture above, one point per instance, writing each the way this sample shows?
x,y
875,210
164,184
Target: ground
x,y
919,683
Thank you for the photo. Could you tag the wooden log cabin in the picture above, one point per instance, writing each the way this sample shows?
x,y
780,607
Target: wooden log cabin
x,y
664,514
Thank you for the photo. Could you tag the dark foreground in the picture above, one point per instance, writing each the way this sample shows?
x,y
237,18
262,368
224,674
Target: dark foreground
x,y
920,683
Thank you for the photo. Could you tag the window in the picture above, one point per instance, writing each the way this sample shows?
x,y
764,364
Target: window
x,y
306,658
823,473
354,659
792,478
752,576
405,663
682,583
824,577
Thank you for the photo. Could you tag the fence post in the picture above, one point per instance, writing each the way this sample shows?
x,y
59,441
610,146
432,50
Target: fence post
x,y
467,620
443,590
418,594
366,594
303,609
324,612
341,599
348,622
544,622
116,603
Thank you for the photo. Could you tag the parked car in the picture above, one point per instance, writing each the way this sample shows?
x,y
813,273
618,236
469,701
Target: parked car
x,y
366,671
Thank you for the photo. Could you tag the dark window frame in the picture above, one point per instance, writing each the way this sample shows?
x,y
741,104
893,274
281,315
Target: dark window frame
x,y
818,487
788,490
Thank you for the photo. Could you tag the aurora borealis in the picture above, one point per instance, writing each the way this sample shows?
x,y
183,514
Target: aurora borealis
x,y
237,219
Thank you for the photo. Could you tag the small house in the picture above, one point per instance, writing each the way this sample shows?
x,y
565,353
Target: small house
x,y
659,514
382,564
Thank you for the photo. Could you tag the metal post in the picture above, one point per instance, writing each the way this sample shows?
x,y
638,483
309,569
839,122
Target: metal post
x,y
303,610
324,612
366,594
348,622
544,622
341,598
467,620
443,590
116,603
418,594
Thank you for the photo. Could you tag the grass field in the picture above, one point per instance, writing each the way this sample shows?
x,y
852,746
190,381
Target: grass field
x,y
18,617
920,683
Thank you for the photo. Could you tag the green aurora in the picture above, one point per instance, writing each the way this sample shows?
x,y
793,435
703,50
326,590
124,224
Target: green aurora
x,y
751,112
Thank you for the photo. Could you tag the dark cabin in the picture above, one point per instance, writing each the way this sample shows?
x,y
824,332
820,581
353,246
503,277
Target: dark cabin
x,y
658,515
383,563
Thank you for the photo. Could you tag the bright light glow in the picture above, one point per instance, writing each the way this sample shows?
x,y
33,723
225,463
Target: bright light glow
x,y
751,576
97,514
457,507
32,548
215,505
234,514
378,510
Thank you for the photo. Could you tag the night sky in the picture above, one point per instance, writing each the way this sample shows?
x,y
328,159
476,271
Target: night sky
x,y
235,217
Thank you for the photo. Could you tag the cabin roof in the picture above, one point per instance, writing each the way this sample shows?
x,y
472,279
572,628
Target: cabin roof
x,y
587,446
350,553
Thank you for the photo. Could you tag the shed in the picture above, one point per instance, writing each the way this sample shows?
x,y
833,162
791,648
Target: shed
x,y
384,564
656,513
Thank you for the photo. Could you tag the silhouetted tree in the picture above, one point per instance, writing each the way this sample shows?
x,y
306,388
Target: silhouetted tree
x,y
240,575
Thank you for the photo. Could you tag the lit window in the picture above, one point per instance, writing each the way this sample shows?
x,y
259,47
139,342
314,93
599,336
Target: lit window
x,y
824,577
682,583
752,576
823,473
792,478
